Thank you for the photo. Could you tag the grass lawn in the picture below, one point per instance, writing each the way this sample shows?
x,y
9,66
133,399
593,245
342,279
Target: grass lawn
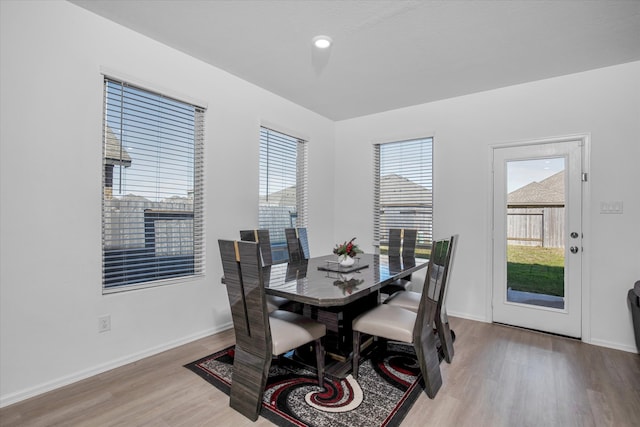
x,y
536,269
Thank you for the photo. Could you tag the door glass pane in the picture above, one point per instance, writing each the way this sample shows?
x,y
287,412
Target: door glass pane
x,y
535,232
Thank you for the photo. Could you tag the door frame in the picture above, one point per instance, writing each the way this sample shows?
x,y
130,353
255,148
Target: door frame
x,y
585,139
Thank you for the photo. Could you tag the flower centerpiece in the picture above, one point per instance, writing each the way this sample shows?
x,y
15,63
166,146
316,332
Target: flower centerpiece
x,y
346,252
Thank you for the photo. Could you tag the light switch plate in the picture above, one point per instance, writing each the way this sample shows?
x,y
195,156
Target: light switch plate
x,y
615,207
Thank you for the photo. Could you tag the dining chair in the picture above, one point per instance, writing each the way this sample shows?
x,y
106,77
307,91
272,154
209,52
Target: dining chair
x,y
395,242
398,324
263,238
297,244
303,239
402,243
409,242
442,254
260,335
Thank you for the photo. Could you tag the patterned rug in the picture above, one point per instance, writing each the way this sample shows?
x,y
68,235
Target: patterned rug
x,y
388,385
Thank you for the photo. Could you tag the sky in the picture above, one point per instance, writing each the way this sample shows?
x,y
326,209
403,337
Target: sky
x,y
523,172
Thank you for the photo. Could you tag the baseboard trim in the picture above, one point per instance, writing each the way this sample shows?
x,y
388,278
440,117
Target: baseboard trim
x,y
614,345
597,342
467,316
21,395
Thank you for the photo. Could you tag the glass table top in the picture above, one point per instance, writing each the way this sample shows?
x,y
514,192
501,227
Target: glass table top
x,y
309,281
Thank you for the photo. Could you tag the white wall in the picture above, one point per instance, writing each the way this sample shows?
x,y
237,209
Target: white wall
x,y
50,278
604,103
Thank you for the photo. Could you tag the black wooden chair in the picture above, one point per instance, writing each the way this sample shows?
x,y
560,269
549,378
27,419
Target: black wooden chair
x,y
398,324
402,244
395,242
303,240
409,242
442,254
297,244
263,238
260,335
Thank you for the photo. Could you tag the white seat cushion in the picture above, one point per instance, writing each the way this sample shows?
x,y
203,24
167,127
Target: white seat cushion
x,y
290,330
408,300
275,302
387,321
417,280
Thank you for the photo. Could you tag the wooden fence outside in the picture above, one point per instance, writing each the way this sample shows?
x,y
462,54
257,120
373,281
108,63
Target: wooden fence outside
x,y
536,227
135,223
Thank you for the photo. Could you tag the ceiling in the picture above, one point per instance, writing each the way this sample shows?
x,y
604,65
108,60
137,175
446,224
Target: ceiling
x,y
387,54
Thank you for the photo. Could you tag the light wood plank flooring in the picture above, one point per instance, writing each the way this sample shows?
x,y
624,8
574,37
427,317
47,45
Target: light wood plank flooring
x,y
500,376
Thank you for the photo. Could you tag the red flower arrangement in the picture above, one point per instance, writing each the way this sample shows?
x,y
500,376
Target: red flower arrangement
x,y
347,248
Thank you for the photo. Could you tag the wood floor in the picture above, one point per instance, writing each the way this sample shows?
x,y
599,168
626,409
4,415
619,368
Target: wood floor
x,y
500,376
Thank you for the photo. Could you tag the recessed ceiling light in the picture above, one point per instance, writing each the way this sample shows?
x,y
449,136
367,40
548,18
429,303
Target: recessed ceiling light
x,y
322,42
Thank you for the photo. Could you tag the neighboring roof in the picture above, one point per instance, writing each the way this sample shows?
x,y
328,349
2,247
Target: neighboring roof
x,y
115,154
548,192
408,193
411,192
285,197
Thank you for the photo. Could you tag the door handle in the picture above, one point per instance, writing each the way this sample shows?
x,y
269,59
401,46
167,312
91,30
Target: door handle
x,y
574,249
574,235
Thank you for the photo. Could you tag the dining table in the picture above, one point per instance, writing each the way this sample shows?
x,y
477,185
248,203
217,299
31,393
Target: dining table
x,y
335,295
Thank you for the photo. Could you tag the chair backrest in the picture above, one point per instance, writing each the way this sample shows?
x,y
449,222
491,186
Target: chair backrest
x,y
434,287
296,271
409,240
441,310
242,269
402,241
395,241
303,239
297,243
263,238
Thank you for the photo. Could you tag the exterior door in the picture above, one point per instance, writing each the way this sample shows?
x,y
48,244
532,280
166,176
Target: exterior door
x,y
537,237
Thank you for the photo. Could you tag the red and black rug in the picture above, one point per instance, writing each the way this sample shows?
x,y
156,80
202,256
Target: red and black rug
x,y
389,383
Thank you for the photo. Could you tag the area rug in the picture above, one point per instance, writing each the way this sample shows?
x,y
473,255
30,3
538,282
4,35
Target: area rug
x,y
388,384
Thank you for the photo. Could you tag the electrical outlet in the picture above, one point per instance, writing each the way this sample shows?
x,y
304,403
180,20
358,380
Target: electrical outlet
x,y
104,323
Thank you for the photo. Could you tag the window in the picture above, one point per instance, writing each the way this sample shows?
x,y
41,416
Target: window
x,y
152,205
403,190
283,187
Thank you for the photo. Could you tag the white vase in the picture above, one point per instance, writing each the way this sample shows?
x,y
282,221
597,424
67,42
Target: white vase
x,y
346,260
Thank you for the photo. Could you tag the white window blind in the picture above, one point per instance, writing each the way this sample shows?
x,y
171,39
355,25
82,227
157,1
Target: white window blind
x,y
283,186
403,189
152,204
